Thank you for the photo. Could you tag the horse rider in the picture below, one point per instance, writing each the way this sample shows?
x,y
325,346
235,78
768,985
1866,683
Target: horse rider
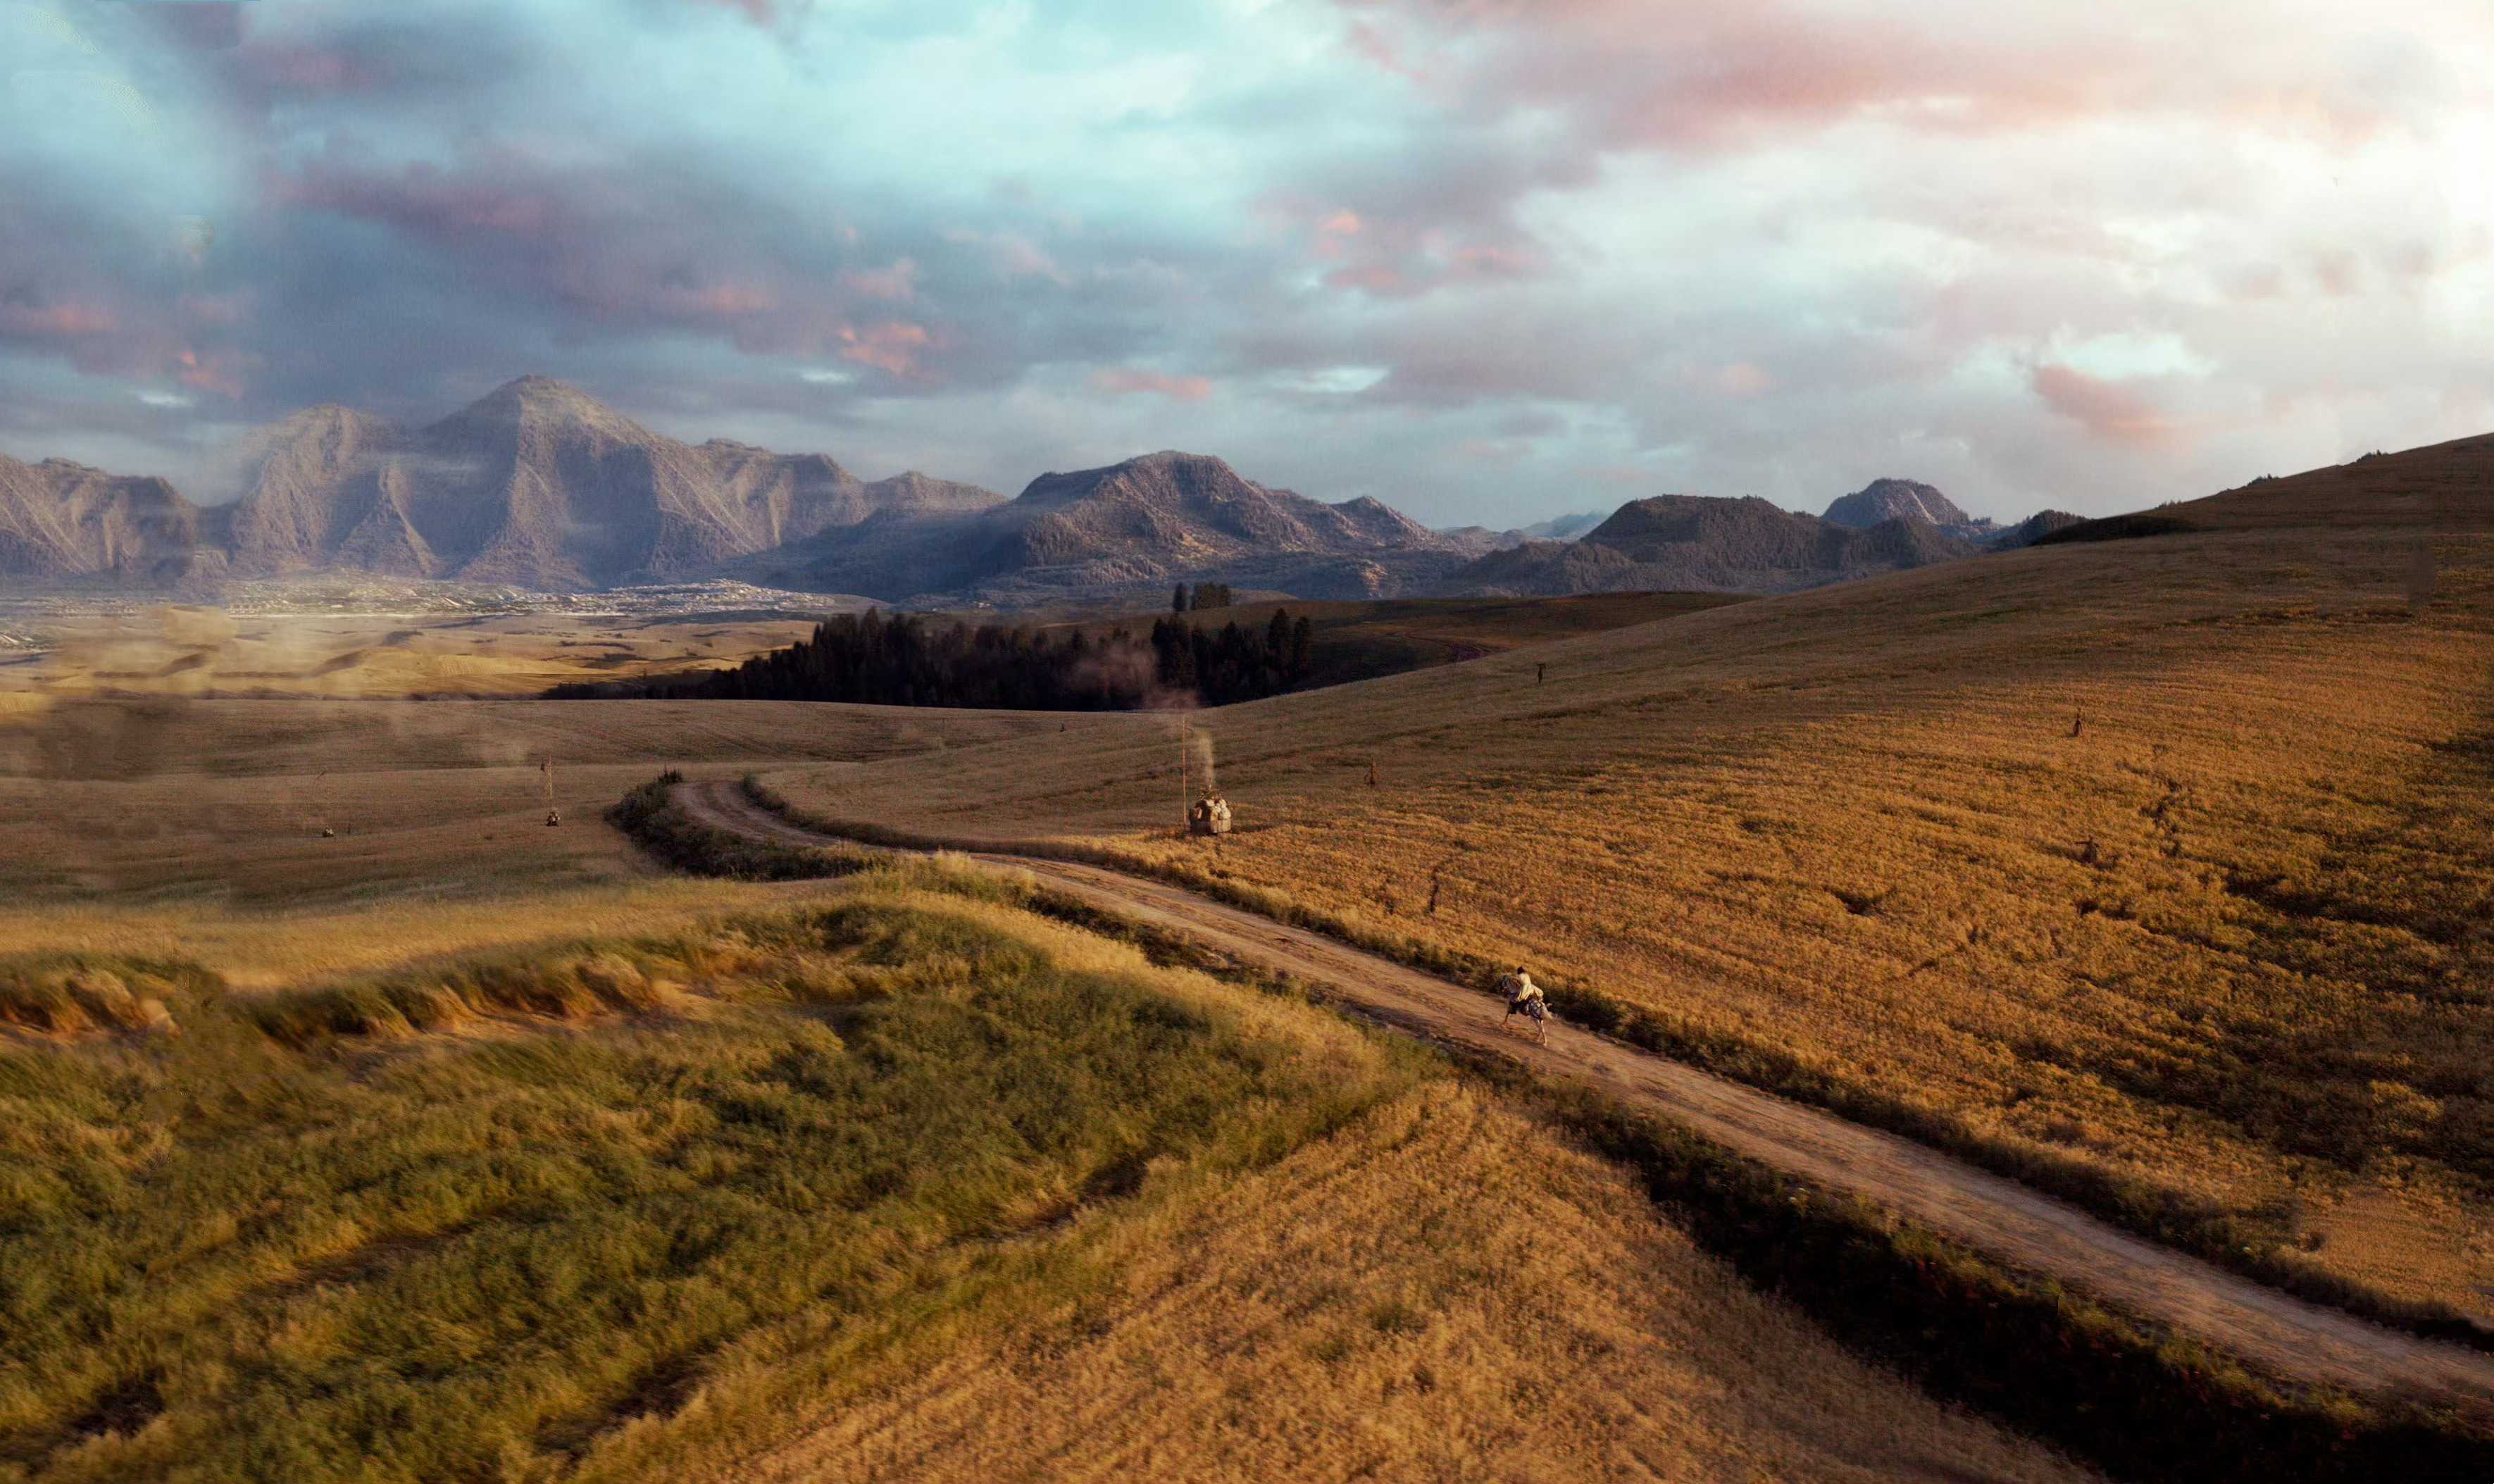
x,y
1524,997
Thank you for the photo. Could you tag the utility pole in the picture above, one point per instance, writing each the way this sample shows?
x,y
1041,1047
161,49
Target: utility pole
x,y
1183,803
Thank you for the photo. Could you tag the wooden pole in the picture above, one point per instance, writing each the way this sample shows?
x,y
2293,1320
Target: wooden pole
x,y
1183,801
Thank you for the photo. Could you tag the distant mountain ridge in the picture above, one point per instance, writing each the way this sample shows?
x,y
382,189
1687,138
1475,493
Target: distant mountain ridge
x,y
61,520
537,485
1162,516
1702,543
540,485
2033,528
1480,539
1887,499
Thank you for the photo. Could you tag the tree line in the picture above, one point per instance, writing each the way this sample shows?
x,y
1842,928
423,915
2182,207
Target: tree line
x,y
1236,663
902,659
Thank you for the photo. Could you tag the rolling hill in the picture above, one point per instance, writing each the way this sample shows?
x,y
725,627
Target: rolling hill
x,y
2157,862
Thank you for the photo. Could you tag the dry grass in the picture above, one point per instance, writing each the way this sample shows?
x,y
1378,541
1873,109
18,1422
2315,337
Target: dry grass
x,y
166,828
2230,938
1443,1291
224,802
925,1171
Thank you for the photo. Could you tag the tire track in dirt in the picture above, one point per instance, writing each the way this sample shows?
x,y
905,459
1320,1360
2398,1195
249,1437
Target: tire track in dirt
x,y
2272,1331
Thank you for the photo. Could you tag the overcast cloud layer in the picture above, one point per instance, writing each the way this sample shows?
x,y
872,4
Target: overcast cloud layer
x,y
1486,259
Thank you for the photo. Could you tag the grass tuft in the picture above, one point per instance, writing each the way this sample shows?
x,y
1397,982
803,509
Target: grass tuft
x,y
651,817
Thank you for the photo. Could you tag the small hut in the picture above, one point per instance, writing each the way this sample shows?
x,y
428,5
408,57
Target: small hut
x,y
1209,816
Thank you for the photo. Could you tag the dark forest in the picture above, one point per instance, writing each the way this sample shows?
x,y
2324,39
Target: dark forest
x,y
882,659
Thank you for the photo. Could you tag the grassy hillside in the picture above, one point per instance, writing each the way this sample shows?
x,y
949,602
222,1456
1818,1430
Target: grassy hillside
x,y
2167,859
185,802
902,1184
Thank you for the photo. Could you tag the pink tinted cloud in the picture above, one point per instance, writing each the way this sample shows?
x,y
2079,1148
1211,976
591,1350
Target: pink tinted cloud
x,y
299,69
1128,381
1011,254
896,285
2109,410
761,13
70,321
1715,75
1485,450
1476,262
129,336
1333,235
424,198
592,241
205,25
893,346
215,308
1374,279
216,370
715,301
1743,378
1391,254
1370,46
1395,268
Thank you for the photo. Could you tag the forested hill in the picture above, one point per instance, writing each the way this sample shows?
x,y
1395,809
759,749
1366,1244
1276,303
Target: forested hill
x,y
881,660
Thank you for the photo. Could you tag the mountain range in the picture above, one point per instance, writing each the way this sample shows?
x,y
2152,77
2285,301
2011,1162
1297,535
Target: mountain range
x,y
1138,525
537,485
63,520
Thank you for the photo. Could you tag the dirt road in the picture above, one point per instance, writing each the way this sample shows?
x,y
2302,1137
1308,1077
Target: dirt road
x,y
2268,1328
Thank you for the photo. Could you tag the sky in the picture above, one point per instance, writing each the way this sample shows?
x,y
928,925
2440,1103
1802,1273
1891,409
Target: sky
x,y
1488,261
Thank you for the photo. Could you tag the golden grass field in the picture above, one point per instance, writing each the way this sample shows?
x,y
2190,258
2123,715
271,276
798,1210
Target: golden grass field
x,y
2168,855
168,828
1442,1292
901,1185
195,806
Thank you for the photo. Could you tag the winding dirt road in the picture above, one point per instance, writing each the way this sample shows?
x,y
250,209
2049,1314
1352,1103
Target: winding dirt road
x,y
2270,1330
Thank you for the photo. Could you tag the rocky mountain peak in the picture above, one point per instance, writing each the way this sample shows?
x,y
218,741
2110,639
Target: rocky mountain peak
x,y
1891,499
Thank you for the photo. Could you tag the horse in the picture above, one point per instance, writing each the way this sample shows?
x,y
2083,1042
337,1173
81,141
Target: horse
x,y
1534,1009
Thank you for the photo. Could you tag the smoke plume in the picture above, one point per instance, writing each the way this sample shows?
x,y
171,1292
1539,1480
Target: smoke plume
x,y
1200,745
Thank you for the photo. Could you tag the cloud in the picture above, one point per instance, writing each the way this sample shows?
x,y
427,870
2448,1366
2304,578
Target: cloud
x,y
1124,380
1743,379
2114,410
762,12
57,321
1775,246
894,345
897,283
1370,46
